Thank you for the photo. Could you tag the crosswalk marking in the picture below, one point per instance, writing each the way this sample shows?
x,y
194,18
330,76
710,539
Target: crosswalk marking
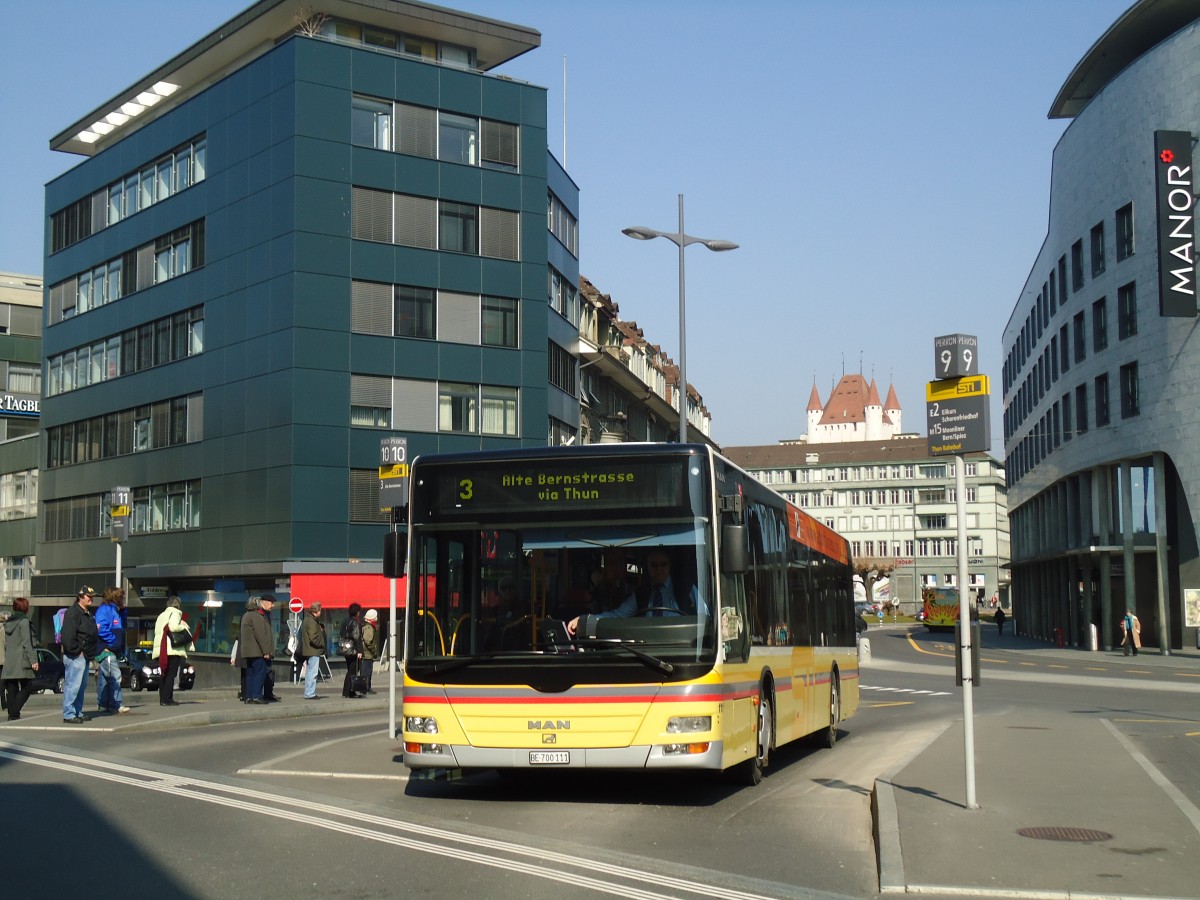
x,y
894,690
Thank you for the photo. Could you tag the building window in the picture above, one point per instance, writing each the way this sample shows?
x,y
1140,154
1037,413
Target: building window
x,y
562,368
1126,311
1081,409
1102,416
499,146
457,227
559,433
1125,232
499,322
1100,324
1064,349
1077,266
371,123
370,401
562,224
1080,345
457,407
19,494
1130,405
1062,280
499,410
162,341
458,139
176,171
364,497
1066,416
562,295
415,312
1097,249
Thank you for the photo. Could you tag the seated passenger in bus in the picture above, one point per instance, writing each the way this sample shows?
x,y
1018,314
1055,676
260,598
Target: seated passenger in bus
x,y
660,600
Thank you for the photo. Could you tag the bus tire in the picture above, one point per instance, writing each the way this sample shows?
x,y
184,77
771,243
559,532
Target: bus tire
x,y
827,736
750,772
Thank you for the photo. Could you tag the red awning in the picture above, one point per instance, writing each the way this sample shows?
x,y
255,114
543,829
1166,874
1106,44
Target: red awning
x,y
339,591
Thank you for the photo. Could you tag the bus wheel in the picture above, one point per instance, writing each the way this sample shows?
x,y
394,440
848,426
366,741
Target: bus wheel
x,y
828,736
750,772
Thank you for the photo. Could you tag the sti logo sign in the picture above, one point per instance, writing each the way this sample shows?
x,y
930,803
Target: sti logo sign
x,y
1176,223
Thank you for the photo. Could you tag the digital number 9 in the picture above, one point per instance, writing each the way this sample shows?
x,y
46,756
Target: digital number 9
x,y
947,358
967,356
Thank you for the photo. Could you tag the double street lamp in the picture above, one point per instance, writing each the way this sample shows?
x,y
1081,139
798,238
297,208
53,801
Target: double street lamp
x,y
681,240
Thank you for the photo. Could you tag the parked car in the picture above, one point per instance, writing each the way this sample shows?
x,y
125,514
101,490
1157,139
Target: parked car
x,y
50,674
140,671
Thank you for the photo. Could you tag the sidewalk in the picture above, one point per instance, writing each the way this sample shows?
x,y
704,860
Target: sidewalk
x,y
1068,807
196,707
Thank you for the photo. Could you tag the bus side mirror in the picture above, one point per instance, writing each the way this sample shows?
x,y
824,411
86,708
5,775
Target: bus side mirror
x,y
395,550
733,550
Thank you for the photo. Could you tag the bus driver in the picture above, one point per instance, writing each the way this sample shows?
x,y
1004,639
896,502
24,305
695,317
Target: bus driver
x,y
660,601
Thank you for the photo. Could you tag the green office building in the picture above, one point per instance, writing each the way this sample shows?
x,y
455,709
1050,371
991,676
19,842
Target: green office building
x,y
305,234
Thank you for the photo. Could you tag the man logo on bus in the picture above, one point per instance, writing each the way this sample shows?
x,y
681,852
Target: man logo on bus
x,y
549,725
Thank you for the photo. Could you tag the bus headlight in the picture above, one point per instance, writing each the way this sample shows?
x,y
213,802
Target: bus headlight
x,y
688,724
423,724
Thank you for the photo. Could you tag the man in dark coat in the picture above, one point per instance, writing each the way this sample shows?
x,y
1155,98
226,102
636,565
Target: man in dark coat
x,y
80,644
257,645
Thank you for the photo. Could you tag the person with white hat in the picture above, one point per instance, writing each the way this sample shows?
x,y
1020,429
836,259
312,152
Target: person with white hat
x,y
370,639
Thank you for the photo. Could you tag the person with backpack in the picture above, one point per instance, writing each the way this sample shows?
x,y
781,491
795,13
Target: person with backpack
x,y
350,646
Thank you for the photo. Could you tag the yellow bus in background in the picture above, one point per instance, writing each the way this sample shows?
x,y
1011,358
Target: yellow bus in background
x,y
537,638
941,608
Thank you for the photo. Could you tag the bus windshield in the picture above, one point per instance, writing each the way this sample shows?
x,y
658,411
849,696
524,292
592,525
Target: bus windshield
x,y
572,594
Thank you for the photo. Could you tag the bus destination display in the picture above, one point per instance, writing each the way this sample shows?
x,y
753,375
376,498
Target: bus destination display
x,y
555,486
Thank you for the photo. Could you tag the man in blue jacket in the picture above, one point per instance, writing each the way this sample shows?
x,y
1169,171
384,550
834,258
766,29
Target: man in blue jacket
x,y
80,646
110,625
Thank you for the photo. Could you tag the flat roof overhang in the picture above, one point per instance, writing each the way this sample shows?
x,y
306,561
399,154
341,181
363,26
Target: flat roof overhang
x,y
259,28
1141,27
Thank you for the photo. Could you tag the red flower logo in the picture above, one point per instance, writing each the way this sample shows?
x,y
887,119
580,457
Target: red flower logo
x,y
1167,156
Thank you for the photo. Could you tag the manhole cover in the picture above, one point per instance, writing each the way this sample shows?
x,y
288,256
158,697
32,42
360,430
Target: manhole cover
x,y
1064,833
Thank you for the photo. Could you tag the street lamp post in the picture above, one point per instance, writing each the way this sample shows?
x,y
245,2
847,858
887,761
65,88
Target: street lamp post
x,y
681,240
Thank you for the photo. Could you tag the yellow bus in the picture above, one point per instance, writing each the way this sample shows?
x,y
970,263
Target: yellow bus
x,y
625,606
941,608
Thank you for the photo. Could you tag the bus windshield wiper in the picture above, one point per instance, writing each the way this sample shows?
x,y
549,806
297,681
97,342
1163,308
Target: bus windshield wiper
x,y
653,661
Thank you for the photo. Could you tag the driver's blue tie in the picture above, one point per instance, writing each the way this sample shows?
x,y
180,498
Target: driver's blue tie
x,y
656,601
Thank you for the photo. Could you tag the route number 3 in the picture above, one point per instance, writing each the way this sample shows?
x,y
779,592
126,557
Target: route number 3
x,y
466,489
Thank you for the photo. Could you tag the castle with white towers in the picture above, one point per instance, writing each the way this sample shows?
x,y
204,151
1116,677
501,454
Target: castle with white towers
x,y
853,413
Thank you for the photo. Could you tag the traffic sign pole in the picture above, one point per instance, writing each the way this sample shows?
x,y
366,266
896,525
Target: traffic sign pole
x,y
958,423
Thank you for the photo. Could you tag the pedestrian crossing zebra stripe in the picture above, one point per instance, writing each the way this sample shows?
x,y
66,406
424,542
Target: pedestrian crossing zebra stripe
x,y
894,690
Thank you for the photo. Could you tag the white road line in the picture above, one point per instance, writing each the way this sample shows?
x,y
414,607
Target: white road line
x,y
459,846
299,773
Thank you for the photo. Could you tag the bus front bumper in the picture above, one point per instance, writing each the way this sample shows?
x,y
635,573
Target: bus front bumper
x,y
639,757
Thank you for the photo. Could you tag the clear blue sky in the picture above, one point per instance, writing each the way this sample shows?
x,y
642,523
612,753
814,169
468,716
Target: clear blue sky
x,y
884,164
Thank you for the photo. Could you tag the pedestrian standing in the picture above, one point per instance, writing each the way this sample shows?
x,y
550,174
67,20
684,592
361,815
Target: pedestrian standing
x,y
370,640
257,647
269,680
110,626
235,656
312,648
1131,633
351,648
169,627
20,658
1000,617
80,645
